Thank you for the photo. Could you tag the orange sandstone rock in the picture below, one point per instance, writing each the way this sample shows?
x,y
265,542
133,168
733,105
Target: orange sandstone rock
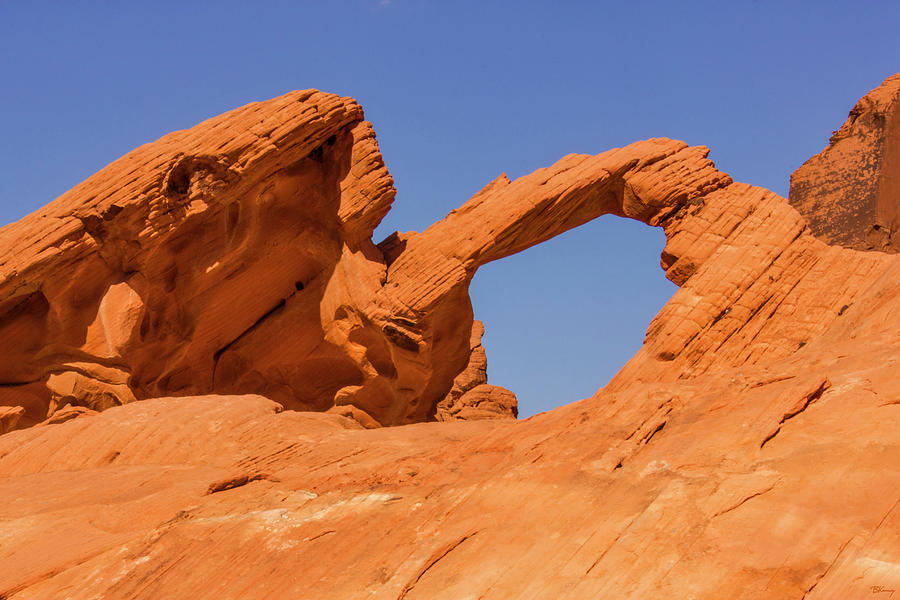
x,y
162,268
67,413
848,192
236,257
9,417
662,489
748,450
471,397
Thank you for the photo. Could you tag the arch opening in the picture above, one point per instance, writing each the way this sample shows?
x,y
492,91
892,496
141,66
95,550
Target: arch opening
x,y
562,317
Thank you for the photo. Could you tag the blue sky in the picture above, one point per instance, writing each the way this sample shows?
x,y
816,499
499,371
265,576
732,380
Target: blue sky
x,y
459,92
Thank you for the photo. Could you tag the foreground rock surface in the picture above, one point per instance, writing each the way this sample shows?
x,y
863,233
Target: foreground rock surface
x,y
762,482
749,449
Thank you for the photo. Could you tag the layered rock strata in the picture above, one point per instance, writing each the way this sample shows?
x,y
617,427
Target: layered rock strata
x,y
154,275
760,482
749,450
236,257
472,397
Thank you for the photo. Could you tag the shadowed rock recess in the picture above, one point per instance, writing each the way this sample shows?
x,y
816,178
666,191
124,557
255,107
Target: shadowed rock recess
x,y
210,345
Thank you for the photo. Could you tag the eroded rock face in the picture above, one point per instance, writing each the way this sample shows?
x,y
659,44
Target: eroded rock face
x,y
9,417
236,257
155,275
749,450
848,192
472,397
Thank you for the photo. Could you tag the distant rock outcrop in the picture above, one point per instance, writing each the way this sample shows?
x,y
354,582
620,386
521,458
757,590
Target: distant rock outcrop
x,y
749,450
848,192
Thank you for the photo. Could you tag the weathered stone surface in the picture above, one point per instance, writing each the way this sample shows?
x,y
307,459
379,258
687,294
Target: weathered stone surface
x,y
236,257
662,489
67,413
748,450
848,192
471,397
9,417
172,267
485,401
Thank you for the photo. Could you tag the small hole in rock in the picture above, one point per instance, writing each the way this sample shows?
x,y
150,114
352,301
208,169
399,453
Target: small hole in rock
x,y
112,211
179,180
299,285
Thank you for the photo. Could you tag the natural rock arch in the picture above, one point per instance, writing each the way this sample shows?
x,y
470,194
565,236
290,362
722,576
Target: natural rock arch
x,y
236,257
562,317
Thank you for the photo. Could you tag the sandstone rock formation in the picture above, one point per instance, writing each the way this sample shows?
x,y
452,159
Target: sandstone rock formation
x,y
9,417
849,191
748,450
236,257
471,397
162,272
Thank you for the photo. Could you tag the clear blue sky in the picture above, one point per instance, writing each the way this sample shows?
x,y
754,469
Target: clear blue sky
x,y
459,92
